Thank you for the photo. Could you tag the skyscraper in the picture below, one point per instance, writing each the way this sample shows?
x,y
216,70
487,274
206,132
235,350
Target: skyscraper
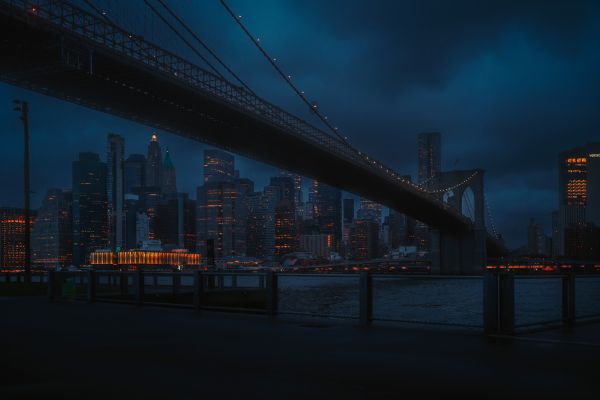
x,y
52,235
579,201
430,155
364,235
12,237
297,179
169,178
430,165
115,185
154,163
329,212
218,166
260,231
348,211
135,173
370,210
90,217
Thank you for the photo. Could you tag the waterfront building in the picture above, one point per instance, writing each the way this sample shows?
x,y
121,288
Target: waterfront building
x,y
318,245
144,259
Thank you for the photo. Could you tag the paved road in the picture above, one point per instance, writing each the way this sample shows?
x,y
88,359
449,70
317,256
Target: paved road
x,y
107,351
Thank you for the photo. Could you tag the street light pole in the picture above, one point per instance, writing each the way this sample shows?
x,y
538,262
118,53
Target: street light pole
x,y
23,107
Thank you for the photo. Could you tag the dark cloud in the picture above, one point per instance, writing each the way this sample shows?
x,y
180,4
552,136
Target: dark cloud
x,y
509,84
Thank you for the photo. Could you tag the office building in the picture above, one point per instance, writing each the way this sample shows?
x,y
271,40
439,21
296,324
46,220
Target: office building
x,y
90,203
12,237
169,178
579,202
154,163
115,185
135,173
218,166
52,234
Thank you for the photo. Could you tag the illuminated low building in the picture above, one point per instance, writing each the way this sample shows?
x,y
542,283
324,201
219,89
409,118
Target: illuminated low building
x,y
144,258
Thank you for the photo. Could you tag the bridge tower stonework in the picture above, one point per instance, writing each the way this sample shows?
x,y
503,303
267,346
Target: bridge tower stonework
x,y
460,252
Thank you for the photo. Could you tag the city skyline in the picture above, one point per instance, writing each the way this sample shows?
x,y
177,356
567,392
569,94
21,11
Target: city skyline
x,y
473,95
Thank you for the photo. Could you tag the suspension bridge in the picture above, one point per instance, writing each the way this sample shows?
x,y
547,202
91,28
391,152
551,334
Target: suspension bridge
x,y
80,55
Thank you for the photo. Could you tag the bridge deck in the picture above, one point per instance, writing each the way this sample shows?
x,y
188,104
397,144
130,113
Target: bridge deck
x,y
79,350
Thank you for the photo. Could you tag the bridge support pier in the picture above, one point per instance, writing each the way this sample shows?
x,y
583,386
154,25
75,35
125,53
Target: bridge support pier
x,y
455,253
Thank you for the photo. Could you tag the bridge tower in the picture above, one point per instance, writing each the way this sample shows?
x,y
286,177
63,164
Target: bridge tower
x,y
461,252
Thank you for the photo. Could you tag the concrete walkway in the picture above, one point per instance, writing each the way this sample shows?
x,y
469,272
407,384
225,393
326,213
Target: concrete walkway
x,y
107,351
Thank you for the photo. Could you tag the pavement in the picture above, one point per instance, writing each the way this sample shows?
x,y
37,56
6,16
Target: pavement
x,y
72,350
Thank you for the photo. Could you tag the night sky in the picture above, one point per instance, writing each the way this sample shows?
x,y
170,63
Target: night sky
x,y
509,84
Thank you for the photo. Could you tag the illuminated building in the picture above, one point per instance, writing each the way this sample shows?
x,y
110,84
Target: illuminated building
x,y
135,173
220,218
364,239
319,245
169,177
218,166
153,163
260,228
285,227
115,185
370,210
12,237
297,179
90,218
52,234
329,212
140,258
579,201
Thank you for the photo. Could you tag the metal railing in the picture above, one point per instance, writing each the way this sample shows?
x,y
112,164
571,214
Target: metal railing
x,y
264,293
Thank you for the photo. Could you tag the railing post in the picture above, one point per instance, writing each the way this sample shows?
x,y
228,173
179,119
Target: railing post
x,y
272,292
123,283
51,285
365,298
506,303
499,303
490,303
176,282
91,289
198,289
568,298
139,287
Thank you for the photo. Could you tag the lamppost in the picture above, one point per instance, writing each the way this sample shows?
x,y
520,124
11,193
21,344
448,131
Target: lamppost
x,y
23,108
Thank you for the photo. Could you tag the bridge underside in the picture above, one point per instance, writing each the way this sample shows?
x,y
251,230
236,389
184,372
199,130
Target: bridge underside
x,y
41,58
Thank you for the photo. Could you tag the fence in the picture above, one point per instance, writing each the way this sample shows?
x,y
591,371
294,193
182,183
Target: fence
x,y
511,302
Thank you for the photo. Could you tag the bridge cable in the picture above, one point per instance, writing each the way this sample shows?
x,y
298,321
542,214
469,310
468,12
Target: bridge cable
x,y
285,77
191,46
205,46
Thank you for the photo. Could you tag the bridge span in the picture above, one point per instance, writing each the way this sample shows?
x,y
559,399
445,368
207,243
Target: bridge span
x,y
60,50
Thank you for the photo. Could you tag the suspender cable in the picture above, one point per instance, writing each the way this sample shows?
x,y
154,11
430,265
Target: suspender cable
x,y
287,78
205,46
155,11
